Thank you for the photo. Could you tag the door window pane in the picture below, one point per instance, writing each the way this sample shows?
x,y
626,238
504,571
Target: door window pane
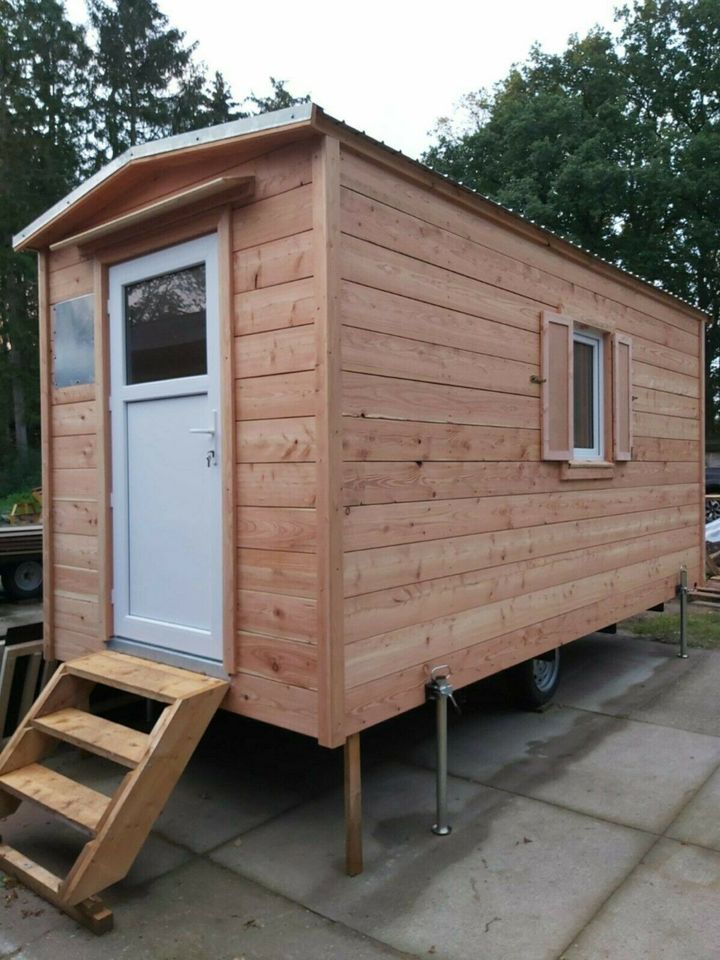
x,y
165,326
583,387
73,342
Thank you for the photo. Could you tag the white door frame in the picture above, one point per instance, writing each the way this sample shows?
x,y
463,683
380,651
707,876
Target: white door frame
x,y
165,636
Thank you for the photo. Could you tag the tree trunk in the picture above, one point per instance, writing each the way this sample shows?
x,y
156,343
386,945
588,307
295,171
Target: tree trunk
x,y
18,393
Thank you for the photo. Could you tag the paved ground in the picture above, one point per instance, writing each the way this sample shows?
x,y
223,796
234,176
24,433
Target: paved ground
x,y
589,832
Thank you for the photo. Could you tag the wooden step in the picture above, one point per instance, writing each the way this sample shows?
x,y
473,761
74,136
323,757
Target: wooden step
x,y
74,802
142,677
106,739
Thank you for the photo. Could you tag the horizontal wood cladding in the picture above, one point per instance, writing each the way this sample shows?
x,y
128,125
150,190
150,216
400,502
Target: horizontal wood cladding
x,y
372,309
277,484
276,441
386,610
461,544
388,524
398,482
278,571
284,661
73,279
275,262
383,567
365,439
286,705
275,351
392,398
276,397
435,639
401,690
277,616
378,353
568,284
276,474
290,304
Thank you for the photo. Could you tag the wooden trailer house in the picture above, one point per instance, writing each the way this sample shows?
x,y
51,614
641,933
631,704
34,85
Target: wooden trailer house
x,y
315,421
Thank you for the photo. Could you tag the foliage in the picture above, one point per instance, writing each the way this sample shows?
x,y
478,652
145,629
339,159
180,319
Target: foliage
x,y
70,100
43,90
615,144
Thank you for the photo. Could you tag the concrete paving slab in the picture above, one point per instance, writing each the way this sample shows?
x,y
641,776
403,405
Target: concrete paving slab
x,y
616,673
56,845
631,773
214,802
699,822
203,911
692,703
669,909
515,879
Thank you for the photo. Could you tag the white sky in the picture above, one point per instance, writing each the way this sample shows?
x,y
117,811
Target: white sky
x,y
389,67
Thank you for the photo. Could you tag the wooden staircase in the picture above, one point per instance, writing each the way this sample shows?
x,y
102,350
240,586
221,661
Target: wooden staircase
x,y
117,826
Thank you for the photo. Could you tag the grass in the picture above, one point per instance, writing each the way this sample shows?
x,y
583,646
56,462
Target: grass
x,y
703,627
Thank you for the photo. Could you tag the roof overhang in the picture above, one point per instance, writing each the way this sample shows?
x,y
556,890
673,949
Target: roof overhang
x,y
32,236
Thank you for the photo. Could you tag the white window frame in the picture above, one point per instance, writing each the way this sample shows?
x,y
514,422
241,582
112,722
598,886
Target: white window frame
x,y
595,340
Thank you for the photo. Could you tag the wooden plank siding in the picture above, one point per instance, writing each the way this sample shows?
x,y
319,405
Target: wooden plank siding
x,y
71,523
271,304
274,302
461,544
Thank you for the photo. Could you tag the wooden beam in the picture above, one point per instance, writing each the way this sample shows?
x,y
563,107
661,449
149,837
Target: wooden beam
x,y
167,204
102,442
353,807
328,423
46,445
228,438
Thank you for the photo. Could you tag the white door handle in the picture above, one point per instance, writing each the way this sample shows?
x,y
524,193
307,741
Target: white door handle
x,y
209,430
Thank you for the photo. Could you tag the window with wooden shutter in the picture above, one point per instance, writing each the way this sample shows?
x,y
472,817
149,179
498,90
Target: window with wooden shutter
x,y
556,388
622,397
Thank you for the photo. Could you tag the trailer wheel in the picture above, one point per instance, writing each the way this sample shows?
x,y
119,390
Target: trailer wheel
x,y
23,580
534,682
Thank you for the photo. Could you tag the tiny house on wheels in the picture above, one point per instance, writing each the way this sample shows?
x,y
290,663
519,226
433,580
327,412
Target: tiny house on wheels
x,y
319,424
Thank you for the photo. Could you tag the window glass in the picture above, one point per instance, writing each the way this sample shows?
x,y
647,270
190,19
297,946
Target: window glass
x,y
73,342
165,326
584,394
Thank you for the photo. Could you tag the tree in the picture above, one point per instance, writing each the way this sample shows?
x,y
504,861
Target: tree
x,y
280,97
614,144
139,67
43,86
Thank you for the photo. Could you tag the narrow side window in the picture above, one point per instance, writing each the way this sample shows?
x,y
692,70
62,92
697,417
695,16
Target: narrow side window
x,y
588,395
73,342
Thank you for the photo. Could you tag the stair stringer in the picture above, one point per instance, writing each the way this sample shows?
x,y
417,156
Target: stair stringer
x,y
141,797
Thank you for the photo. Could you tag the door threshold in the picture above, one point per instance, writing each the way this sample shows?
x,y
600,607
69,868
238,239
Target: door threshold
x,y
173,658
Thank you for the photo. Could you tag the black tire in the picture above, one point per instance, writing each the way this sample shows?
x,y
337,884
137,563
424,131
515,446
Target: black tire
x,y
712,509
533,683
23,580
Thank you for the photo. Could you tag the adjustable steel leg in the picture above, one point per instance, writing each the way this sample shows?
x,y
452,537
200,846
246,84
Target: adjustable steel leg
x,y
440,690
683,598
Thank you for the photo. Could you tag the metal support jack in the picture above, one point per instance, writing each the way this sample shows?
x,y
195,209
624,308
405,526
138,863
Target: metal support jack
x,y
682,592
440,690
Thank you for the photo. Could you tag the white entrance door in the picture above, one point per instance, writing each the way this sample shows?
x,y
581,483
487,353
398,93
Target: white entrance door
x,y
164,343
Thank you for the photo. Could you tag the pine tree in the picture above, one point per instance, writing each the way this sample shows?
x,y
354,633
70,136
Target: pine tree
x,y
139,67
43,87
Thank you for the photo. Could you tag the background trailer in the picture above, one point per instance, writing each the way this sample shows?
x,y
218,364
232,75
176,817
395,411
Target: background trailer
x,y
317,420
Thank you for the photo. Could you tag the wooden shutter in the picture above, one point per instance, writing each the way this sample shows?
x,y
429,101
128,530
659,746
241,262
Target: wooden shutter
x,y
622,397
557,389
